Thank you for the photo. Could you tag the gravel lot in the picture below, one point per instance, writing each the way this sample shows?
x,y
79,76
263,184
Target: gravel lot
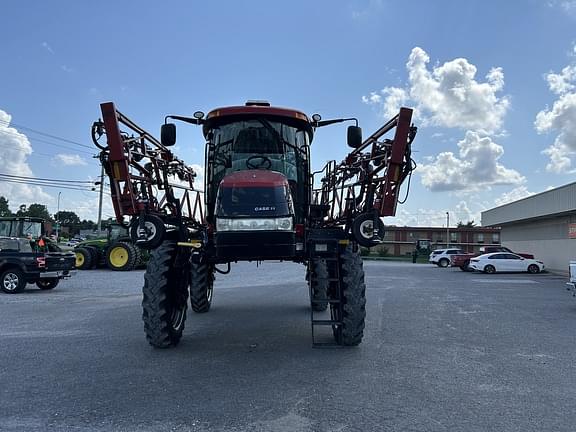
x,y
443,351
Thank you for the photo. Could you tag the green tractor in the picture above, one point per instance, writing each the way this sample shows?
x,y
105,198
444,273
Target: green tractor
x,y
116,251
31,228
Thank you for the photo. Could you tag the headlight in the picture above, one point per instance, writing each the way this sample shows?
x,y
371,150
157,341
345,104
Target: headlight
x,y
254,224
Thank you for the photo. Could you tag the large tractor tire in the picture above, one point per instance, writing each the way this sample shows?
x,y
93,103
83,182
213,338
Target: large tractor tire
x,y
96,255
318,280
121,256
165,296
201,286
84,258
139,258
353,298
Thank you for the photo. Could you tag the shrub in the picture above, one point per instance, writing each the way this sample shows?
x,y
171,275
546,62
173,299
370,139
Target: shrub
x,y
383,251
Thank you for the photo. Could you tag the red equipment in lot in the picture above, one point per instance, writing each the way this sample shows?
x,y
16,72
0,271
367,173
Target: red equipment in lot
x,y
463,260
259,203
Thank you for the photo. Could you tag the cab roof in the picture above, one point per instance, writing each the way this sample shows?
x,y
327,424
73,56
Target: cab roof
x,y
256,108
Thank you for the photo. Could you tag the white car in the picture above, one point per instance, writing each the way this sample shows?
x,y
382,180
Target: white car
x,y
505,262
441,257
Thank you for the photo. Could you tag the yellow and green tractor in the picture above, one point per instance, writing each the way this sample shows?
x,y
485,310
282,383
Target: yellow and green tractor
x,y
116,251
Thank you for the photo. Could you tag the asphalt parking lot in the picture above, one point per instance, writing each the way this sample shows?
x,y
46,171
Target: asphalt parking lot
x,y
443,351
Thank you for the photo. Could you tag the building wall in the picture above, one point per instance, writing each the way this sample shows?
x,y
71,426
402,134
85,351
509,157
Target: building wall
x,y
401,241
546,239
554,201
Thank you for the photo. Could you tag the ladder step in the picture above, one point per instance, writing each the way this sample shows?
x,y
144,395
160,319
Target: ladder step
x,y
326,322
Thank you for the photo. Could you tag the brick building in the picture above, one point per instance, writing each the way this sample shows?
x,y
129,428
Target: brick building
x,y
402,240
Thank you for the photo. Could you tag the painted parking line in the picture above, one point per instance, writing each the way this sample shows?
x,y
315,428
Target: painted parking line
x,y
506,281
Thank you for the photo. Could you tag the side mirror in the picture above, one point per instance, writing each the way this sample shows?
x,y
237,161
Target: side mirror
x,y
354,136
168,134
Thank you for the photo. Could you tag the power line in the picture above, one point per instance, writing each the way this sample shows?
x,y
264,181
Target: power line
x,y
57,186
44,134
48,142
47,179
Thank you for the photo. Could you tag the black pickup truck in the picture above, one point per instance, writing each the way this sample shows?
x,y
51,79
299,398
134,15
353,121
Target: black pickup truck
x,y
23,262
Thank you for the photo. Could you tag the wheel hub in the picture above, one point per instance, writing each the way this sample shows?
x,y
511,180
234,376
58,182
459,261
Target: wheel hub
x,y
10,281
118,257
367,229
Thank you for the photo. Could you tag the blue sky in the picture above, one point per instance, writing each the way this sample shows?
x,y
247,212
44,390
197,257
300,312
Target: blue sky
x,y
478,74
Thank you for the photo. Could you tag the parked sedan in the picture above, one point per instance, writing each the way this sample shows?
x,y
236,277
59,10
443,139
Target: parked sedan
x,y
505,262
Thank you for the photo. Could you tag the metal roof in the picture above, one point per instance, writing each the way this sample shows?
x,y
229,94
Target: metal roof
x,y
556,201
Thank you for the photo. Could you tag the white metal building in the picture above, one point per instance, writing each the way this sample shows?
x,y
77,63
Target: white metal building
x,y
543,224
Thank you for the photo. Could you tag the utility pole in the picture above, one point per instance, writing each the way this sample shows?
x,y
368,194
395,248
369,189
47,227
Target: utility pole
x,y
447,229
57,218
100,200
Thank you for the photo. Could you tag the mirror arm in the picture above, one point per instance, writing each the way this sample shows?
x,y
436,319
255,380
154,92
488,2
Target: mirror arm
x,y
185,119
329,122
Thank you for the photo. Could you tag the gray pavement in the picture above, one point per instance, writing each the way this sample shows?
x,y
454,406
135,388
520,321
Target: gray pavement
x,y
443,351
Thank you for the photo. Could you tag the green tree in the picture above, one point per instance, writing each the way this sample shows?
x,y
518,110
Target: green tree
x,y
4,208
469,224
87,225
34,210
67,218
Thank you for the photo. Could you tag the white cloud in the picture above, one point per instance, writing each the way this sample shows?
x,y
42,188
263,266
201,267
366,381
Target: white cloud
x,y
462,213
391,99
434,217
513,195
419,218
367,9
476,166
47,47
88,208
561,118
70,159
199,180
448,95
15,149
568,6
562,82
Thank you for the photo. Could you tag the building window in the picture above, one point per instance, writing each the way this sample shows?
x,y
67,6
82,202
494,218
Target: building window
x,y
480,238
495,238
453,237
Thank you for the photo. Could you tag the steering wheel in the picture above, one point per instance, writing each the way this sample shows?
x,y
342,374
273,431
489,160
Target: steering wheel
x,y
258,162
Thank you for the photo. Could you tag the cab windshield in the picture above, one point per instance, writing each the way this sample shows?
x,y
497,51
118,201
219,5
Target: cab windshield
x,y
20,228
258,144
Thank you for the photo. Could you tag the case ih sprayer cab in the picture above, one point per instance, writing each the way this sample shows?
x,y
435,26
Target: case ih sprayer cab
x,y
260,202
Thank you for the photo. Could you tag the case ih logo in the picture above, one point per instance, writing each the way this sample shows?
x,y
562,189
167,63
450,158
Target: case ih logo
x,y
267,208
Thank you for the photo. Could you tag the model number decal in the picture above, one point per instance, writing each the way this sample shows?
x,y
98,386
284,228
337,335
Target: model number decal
x,y
268,208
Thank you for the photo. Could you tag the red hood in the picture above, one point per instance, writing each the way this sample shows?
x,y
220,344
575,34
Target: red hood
x,y
254,178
